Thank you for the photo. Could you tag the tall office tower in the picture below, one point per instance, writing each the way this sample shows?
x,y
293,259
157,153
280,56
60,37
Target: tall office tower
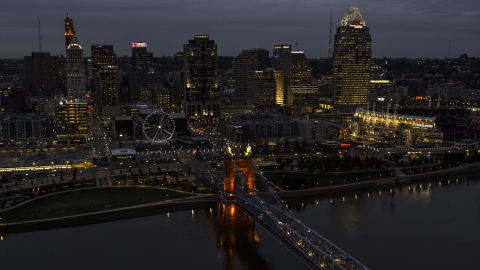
x,y
245,64
280,94
41,74
263,88
144,62
277,57
108,81
201,78
62,74
88,78
124,63
297,72
102,55
178,91
352,56
124,93
69,31
75,70
138,47
71,119
141,81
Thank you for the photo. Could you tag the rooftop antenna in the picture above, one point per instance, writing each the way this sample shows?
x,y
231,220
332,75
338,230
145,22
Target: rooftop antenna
x,y
39,37
448,56
330,37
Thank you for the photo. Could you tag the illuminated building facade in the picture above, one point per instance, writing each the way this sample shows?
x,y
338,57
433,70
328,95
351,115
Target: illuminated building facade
x,y
245,64
304,98
5,92
23,126
71,119
69,31
108,82
351,63
162,98
399,127
201,78
75,70
297,74
263,88
280,94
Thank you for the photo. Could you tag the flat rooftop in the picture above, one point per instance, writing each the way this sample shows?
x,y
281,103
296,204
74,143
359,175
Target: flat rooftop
x,y
122,152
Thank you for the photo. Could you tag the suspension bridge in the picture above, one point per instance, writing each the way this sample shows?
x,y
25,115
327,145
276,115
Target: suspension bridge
x,y
242,186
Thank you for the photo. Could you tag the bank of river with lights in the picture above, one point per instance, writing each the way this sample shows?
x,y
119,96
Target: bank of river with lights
x,y
430,224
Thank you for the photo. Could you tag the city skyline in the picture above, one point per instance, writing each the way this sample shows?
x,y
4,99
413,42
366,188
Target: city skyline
x,y
239,26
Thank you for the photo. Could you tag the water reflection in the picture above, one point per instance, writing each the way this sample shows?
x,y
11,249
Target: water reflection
x,y
238,245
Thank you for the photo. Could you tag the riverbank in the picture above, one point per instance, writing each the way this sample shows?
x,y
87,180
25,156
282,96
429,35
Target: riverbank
x,y
404,179
167,206
109,215
95,205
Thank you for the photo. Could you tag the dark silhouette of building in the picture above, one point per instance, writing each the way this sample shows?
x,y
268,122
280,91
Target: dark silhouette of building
x,y
245,64
201,78
41,74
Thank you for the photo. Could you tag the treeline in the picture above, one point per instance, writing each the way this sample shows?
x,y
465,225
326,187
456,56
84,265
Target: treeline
x,y
294,183
331,164
460,157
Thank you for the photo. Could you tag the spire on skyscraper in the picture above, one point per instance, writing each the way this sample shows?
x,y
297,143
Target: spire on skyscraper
x,y
69,30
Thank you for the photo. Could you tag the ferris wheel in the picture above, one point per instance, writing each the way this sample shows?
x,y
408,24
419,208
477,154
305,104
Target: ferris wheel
x,y
158,127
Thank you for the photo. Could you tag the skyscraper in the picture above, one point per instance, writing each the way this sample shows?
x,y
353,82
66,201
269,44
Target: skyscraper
x,y
75,70
245,64
351,62
108,81
278,52
263,87
139,56
69,30
41,74
102,55
201,77
71,113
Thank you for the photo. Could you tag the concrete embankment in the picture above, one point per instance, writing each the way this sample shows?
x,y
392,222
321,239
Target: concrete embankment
x,y
465,170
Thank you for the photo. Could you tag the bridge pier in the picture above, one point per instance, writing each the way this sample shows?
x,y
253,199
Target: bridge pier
x,y
227,211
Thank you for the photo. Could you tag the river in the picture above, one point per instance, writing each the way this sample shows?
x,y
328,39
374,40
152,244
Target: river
x,y
428,225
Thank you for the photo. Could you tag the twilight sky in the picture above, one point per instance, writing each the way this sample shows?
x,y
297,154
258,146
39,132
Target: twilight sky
x,y
399,28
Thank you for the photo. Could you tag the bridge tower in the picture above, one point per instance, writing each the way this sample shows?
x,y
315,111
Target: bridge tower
x,y
226,208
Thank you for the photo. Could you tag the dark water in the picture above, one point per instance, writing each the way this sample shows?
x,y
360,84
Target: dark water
x,y
430,225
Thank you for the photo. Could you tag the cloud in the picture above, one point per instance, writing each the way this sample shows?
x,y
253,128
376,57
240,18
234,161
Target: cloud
x,y
237,25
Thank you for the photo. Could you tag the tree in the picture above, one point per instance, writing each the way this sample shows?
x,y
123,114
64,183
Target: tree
x,y
289,161
287,144
302,165
279,160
